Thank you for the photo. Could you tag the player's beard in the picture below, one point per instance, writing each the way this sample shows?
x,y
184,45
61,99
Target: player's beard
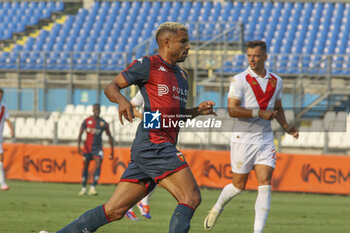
x,y
183,57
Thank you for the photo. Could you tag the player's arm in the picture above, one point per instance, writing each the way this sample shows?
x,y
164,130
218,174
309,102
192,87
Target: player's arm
x,y
110,141
9,124
204,108
281,118
79,139
235,110
112,91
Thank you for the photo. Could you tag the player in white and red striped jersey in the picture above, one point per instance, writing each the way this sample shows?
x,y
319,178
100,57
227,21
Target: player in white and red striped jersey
x,y
4,116
254,99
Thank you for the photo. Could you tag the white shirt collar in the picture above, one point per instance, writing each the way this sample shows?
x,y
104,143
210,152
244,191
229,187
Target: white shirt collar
x,y
255,75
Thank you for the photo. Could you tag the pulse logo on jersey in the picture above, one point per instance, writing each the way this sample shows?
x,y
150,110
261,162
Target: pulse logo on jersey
x,y
151,120
162,89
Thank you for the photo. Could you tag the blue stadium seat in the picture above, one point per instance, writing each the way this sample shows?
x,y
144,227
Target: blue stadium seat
x,y
118,26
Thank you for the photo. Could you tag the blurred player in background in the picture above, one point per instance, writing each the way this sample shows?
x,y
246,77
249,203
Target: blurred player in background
x,y
138,104
94,126
255,99
154,157
4,116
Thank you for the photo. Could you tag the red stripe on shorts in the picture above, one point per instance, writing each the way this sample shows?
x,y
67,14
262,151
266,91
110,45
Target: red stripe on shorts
x,y
169,172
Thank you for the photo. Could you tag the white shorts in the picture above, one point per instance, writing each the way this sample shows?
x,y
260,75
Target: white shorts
x,y
245,156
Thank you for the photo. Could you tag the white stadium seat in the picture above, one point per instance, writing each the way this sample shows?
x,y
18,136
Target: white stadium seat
x,y
112,110
69,109
80,109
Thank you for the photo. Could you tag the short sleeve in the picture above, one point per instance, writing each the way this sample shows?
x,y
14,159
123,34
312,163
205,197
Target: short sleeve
x,y
138,71
236,89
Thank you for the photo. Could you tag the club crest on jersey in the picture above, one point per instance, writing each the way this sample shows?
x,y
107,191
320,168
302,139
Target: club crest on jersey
x,y
181,156
102,124
151,120
162,89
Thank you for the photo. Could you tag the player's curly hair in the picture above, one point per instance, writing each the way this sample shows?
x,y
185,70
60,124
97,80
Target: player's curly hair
x,y
256,43
173,27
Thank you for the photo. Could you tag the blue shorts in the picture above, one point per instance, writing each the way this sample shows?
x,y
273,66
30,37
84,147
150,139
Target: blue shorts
x,y
153,162
90,156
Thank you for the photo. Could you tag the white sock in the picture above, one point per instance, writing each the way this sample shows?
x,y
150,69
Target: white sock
x,y
144,200
2,174
262,207
226,195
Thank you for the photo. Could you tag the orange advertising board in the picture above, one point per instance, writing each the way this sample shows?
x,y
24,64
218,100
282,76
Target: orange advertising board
x,y
294,172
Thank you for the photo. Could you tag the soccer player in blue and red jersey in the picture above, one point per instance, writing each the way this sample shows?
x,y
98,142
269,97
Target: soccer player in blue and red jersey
x,y
154,157
94,126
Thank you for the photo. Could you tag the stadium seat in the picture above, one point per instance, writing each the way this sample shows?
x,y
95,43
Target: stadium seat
x,y
112,110
279,25
79,109
315,139
69,109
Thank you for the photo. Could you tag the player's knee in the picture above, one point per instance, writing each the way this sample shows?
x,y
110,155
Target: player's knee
x,y
193,200
197,201
239,185
266,180
114,214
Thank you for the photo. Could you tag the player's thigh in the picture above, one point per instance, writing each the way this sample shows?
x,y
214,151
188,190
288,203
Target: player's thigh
x,y
126,195
98,160
239,180
263,174
183,186
265,164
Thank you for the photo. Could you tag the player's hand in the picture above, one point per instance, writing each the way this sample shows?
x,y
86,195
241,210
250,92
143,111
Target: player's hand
x,y
80,151
267,115
126,111
293,131
111,157
206,108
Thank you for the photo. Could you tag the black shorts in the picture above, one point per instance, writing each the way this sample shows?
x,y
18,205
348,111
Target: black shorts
x,y
153,162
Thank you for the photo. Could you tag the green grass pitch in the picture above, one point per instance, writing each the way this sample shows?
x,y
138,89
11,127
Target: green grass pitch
x,y
33,206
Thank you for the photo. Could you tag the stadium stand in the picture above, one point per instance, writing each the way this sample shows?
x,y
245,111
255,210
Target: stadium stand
x,y
303,39
313,135
15,16
299,35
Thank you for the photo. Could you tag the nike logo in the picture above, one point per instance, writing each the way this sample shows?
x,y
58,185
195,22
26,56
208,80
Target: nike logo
x,y
206,227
